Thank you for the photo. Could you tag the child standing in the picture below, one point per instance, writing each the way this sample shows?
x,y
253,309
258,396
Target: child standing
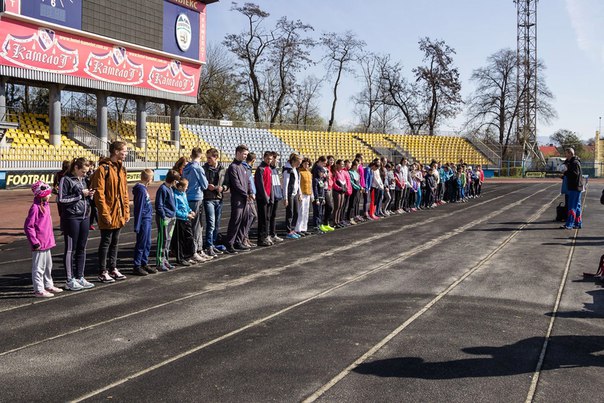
x,y
165,210
38,229
183,242
143,213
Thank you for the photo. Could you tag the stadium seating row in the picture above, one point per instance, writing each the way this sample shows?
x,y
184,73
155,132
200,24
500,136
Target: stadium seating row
x,y
31,142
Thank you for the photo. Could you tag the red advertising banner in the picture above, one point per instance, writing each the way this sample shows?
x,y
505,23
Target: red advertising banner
x,y
194,5
32,47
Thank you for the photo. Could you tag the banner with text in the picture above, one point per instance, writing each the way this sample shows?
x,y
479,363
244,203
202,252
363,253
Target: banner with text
x,y
31,47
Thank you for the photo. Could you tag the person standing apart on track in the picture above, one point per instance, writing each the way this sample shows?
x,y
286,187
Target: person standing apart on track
x,y
75,221
213,202
198,183
38,229
143,215
239,185
113,203
165,212
574,187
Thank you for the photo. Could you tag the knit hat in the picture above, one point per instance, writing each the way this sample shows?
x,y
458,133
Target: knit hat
x,y
41,189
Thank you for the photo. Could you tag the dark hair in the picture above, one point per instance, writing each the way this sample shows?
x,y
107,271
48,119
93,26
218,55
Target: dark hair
x,y
307,160
65,166
250,157
78,163
359,156
117,146
180,164
294,157
322,158
241,148
172,176
182,182
212,152
268,154
196,153
355,163
275,154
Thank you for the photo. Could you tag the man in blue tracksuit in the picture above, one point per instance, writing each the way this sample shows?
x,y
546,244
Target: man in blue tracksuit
x,y
143,214
194,173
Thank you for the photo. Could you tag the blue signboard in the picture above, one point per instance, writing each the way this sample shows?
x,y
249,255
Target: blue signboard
x,y
67,13
181,31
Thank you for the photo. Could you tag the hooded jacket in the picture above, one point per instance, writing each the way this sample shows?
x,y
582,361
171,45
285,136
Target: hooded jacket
x,y
198,182
573,174
182,205
38,226
111,197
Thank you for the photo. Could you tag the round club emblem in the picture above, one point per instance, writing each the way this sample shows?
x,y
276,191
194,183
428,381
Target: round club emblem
x,y
184,32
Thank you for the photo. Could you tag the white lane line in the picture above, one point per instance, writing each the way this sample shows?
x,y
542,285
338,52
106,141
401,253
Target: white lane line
x,y
537,374
296,263
321,391
360,276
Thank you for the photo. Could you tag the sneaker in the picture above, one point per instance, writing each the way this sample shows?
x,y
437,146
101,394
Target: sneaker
x,y
231,250
218,251
54,289
163,267
43,294
183,263
249,244
169,266
209,252
116,275
264,242
105,278
306,233
221,248
292,235
85,284
323,228
139,271
149,269
73,285
241,247
330,228
276,239
92,228
199,258
353,222
205,256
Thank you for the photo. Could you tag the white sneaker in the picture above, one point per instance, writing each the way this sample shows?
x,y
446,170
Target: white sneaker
x,y
276,239
73,285
199,258
205,256
84,283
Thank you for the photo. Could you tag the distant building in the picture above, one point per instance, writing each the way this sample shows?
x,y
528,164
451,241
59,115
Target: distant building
x,y
549,151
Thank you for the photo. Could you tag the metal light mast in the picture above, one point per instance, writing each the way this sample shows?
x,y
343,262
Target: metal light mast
x,y
526,80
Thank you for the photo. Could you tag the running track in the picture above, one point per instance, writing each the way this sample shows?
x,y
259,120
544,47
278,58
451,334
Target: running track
x,y
481,301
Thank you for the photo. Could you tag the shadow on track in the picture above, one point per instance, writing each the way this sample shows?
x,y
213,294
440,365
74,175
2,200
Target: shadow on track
x,y
518,358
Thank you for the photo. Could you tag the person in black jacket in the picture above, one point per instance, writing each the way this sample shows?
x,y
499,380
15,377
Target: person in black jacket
x,y
574,183
75,222
213,201
263,179
239,185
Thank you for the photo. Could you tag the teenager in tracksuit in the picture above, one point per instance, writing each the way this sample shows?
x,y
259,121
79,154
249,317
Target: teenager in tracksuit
x,y
165,211
291,190
143,215
239,185
213,201
182,244
75,219
263,180
277,192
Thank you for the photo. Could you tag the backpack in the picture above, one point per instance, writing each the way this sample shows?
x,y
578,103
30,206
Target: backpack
x,y
561,212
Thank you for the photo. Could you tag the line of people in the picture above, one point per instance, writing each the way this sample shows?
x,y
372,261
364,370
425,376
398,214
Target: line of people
x,y
341,193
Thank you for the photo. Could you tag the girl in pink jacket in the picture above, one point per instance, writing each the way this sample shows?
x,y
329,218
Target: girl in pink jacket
x,y
38,229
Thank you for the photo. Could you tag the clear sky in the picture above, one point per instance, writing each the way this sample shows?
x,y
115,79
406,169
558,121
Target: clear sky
x,y
570,42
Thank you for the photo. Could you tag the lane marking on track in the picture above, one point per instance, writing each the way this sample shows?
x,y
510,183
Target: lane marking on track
x,y
321,391
358,277
537,374
296,262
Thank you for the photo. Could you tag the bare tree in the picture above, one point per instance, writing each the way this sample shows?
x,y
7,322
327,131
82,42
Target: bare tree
x,y
400,93
493,106
341,51
250,46
219,94
439,82
371,96
289,53
304,109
